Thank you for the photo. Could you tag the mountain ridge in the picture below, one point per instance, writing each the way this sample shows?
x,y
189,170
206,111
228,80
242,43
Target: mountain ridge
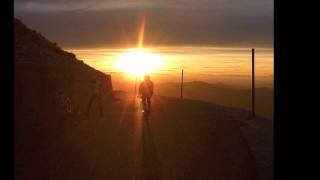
x,y
222,94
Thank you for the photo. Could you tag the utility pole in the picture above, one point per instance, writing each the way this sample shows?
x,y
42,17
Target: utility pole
x,y
253,86
181,92
135,89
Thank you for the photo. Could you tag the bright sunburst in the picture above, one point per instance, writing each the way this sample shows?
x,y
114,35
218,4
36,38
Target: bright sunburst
x,y
138,62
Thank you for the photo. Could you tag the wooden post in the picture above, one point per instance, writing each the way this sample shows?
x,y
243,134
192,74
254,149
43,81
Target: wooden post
x,y
181,92
253,86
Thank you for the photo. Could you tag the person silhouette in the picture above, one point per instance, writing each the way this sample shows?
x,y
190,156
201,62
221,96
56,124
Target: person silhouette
x,y
145,93
96,95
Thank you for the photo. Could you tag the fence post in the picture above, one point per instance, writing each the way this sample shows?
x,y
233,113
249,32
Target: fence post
x,y
181,86
253,86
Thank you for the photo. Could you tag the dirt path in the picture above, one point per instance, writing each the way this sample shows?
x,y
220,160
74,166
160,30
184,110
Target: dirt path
x,y
180,140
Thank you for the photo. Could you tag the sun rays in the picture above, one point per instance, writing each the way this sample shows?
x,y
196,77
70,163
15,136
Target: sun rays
x,y
138,62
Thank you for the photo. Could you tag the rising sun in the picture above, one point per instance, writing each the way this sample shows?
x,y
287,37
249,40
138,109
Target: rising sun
x,y
138,61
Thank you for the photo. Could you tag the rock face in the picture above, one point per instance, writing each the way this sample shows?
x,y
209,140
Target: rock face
x,y
31,46
34,53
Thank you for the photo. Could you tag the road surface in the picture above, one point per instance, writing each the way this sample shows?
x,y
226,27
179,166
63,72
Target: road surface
x,y
182,139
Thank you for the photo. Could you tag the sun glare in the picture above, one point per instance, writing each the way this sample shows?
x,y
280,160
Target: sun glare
x,y
138,62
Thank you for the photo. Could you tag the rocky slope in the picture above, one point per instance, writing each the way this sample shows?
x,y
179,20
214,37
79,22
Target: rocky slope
x,y
34,53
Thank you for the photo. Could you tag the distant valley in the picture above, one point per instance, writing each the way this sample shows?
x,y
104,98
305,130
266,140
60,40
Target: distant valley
x,y
221,94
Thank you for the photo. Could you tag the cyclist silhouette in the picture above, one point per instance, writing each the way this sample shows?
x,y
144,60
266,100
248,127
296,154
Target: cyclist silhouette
x,y
145,93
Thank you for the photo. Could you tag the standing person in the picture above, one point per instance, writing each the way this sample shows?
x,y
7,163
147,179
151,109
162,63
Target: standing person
x,y
146,92
96,95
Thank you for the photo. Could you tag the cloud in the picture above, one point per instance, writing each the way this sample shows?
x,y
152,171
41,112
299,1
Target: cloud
x,y
108,23
71,5
95,5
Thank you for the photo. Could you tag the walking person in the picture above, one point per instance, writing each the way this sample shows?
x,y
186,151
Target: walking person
x,y
145,93
96,96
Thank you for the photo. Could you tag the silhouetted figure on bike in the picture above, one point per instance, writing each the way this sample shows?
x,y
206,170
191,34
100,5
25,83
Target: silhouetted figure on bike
x,y
96,96
146,92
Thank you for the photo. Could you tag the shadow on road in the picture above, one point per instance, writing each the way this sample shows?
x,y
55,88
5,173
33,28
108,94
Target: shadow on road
x,y
151,164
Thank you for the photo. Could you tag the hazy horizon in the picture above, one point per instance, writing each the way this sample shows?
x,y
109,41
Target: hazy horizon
x,y
208,64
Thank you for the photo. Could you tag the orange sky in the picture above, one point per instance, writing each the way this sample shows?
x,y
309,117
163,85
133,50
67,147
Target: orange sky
x,y
210,64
